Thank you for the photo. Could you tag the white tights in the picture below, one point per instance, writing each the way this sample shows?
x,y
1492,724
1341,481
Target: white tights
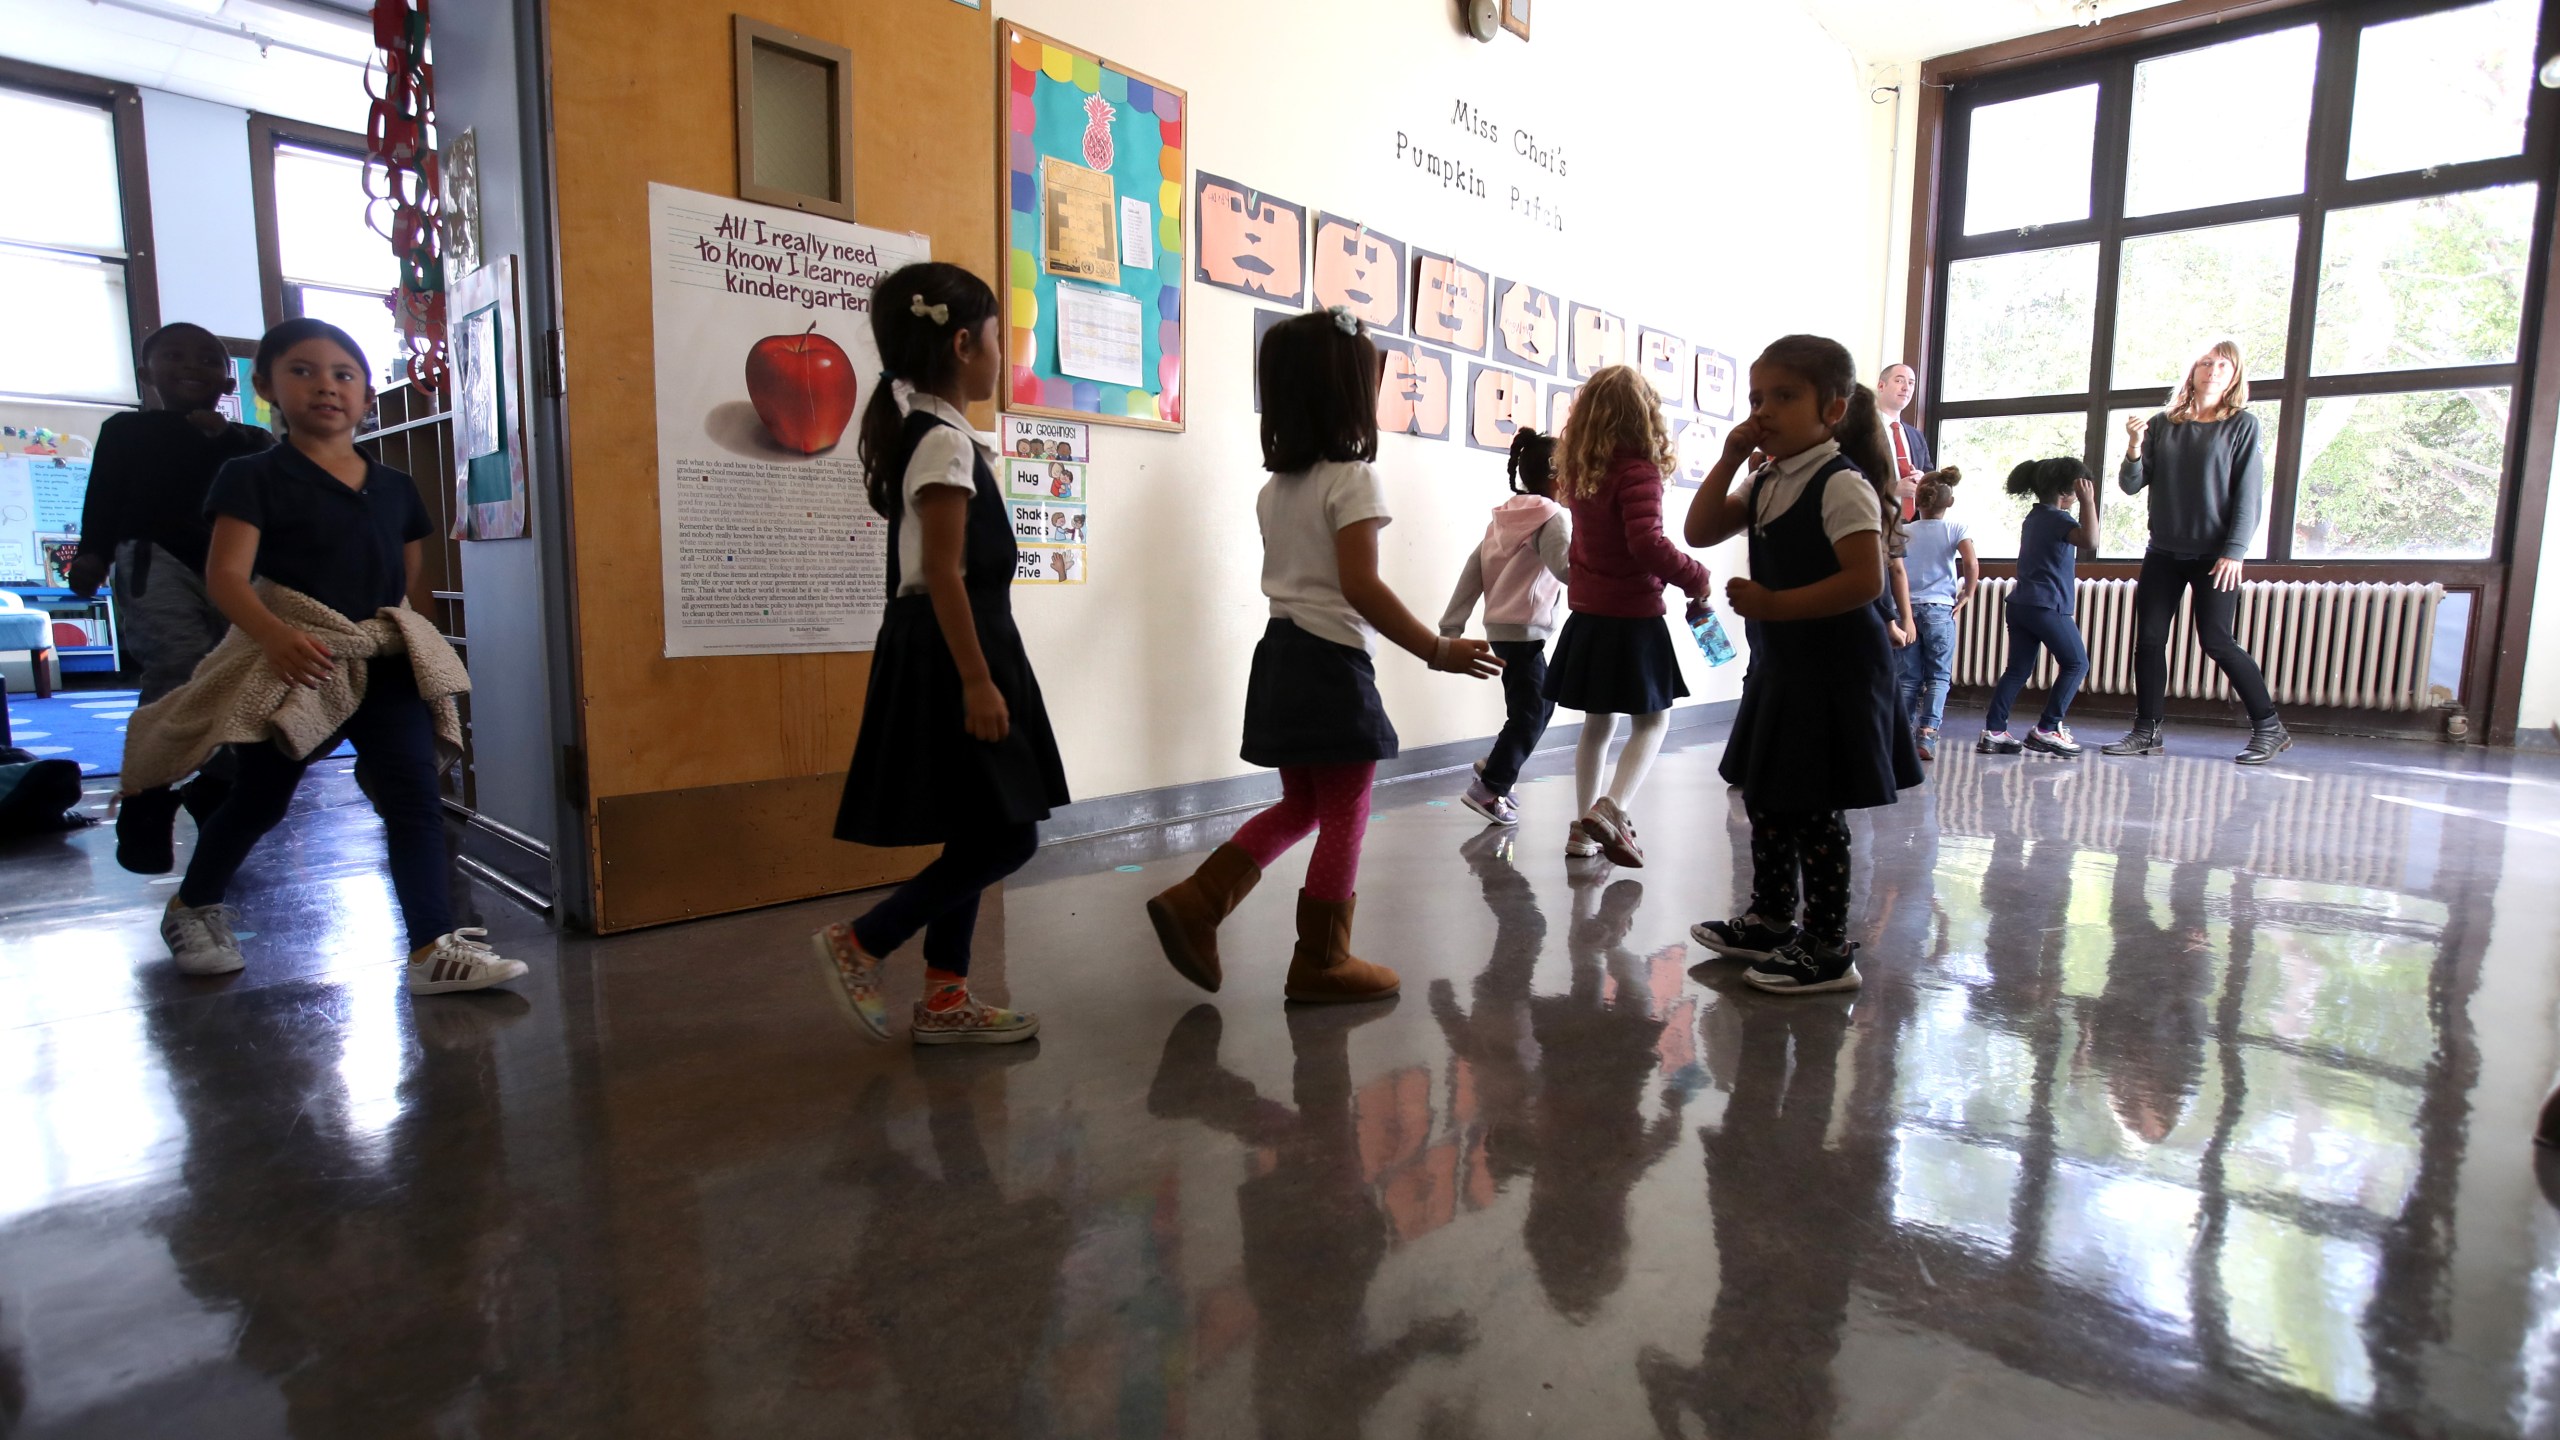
x,y
1635,761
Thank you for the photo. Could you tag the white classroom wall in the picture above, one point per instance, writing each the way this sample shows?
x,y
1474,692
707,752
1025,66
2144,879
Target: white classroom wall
x,y
1718,185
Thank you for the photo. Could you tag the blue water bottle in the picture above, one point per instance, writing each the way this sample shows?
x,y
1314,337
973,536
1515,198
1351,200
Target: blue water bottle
x,y
1712,640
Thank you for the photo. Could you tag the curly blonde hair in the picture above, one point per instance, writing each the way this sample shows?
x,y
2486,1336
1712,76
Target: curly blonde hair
x,y
1614,413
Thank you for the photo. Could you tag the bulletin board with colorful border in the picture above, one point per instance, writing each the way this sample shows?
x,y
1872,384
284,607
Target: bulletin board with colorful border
x,y
1047,110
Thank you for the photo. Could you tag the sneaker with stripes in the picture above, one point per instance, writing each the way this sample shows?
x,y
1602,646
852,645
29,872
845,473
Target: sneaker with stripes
x,y
200,938
459,961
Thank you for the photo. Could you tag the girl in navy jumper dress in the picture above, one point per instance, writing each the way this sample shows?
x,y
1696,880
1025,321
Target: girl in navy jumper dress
x,y
1311,707
2039,608
955,748
1615,655
1819,732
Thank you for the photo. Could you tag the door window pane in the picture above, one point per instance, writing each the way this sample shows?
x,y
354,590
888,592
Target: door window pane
x,y
65,193
2224,123
2020,324
2124,521
2420,283
2028,161
2443,88
1987,450
2402,476
70,333
2178,293
321,233
367,321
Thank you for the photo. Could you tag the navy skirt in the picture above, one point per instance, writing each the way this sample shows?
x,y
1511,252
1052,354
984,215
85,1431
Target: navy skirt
x,y
918,776
1614,665
1312,702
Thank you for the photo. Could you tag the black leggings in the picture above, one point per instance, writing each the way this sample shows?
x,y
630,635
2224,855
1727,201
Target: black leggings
x,y
1815,844
942,900
2155,608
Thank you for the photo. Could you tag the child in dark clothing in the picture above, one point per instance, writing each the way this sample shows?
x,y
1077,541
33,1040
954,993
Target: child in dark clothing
x,y
2040,606
144,516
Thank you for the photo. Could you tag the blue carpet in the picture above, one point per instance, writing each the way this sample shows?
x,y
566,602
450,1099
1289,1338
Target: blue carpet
x,y
82,725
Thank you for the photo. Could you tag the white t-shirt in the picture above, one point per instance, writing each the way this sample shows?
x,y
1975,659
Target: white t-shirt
x,y
1849,503
947,454
1299,515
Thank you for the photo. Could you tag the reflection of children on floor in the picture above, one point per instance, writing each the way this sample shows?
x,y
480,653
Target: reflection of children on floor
x,y
1311,709
955,748
1314,1232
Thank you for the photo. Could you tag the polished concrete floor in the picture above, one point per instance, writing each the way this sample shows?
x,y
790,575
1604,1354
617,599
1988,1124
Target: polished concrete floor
x,y
2181,1101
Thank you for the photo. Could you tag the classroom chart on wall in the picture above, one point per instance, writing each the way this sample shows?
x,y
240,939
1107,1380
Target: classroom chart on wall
x,y
40,501
489,445
1047,464
764,360
1089,148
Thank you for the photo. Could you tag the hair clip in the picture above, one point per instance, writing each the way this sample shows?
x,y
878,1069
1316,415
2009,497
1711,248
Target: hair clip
x,y
1343,319
938,314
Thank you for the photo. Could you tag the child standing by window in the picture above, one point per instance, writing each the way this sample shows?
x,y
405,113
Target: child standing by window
x,y
1818,733
1311,709
1615,656
144,515
1938,553
955,748
1518,570
317,519
2040,606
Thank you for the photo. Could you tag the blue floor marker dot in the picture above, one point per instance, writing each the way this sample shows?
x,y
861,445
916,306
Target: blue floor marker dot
x,y
1437,804
1128,869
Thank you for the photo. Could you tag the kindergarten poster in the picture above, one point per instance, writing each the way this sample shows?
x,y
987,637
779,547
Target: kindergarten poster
x,y
766,544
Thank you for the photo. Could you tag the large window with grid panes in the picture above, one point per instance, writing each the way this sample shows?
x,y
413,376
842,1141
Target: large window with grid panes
x,y
2354,193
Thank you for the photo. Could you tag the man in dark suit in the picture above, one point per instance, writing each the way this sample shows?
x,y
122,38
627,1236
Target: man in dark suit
x,y
1894,389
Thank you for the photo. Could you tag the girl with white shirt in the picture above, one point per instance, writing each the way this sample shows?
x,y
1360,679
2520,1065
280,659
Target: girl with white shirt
x,y
955,748
1311,708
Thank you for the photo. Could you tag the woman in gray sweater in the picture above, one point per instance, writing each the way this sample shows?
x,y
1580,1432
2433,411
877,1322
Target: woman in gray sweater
x,y
2203,460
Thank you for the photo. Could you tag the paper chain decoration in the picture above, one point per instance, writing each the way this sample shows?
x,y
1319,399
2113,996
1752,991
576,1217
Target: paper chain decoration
x,y
400,182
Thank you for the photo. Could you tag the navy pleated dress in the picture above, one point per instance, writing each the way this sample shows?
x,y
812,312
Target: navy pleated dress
x,y
1819,728
918,776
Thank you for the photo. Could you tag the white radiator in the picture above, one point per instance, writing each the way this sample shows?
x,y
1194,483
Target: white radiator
x,y
2357,647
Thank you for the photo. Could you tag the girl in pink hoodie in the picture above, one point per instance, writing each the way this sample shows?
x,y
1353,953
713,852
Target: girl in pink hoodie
x,y
1519,571
1614,656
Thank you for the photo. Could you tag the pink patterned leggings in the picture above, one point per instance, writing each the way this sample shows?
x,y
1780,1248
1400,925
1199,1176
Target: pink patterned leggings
x,y
1330,799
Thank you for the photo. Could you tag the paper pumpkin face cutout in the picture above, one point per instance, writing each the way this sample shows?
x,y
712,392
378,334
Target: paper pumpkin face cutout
x,y
1250,242
1449,302
1695,446
1559,406
1500,404
1718,382
1598,341
1528,326
1360,270
1662,359
1414,390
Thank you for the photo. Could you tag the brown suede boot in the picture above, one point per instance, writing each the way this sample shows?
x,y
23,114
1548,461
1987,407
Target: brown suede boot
x,y
1323,968
1187,914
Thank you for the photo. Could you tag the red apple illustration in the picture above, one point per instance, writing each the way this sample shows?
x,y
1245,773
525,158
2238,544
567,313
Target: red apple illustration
x,y
803,389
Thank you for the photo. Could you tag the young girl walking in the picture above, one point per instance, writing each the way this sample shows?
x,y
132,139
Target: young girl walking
x,y
1311,708
337,545
1818,733
2040,607
1518,570
955,748
1614,656
1938,553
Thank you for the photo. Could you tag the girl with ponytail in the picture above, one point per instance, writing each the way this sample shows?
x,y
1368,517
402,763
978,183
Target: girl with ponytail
x,y
955,748
1518,570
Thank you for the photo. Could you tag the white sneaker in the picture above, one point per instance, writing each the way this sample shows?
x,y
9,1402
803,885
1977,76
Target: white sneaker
x,y
1578,846
200,938
1615,834
460,961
